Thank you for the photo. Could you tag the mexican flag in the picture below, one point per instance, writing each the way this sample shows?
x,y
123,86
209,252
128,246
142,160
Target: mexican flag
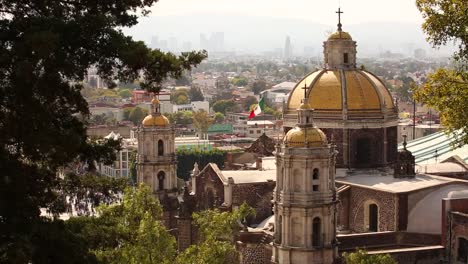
x,y
260,107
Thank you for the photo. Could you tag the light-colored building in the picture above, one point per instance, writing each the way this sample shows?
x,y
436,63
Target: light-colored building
x,y
194,106
121,166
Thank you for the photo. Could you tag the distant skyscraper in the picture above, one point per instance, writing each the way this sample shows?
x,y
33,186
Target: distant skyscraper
x,y
287,49
214,43
154,42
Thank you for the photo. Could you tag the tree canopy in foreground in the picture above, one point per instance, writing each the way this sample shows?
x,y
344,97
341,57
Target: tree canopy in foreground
x,y
46,48
446,90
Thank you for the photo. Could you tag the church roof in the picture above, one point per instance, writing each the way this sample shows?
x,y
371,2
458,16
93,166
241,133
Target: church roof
x,y
332,90
387,183
250,176
424,148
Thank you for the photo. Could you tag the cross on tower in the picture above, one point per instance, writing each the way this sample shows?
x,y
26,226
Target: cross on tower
x,y
339,12
305,90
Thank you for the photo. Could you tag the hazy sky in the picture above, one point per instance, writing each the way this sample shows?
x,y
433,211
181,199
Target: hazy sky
x,y
323,11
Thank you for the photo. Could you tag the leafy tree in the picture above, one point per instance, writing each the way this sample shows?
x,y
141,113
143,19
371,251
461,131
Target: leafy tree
x,y
84,193
249,101
201,121
223,106
46,49
258,86
446,90
137,114
218,117
361,257
180,96
181,117
196,94
446,21
186,158
125,93
129,232
217,230
240,81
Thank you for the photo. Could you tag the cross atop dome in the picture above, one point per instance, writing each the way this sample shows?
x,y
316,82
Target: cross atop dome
x,y
339,12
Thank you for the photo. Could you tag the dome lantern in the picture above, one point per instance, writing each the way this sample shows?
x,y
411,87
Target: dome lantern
x,y
155,118
340,49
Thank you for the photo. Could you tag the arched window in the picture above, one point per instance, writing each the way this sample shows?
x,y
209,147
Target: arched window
x,y
161,176
316,232
160,148
315,174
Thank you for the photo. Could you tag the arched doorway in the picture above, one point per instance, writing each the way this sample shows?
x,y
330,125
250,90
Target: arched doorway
x,y
161,176
373,217
316,232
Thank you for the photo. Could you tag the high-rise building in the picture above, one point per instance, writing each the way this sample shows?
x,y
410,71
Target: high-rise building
x,y
287,54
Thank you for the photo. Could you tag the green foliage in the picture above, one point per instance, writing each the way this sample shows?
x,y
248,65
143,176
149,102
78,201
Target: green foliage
x,y
130,232
181,117
223,106
249,101
405,91
196,94
240,81
186,158
447,92
137,114
86,192
446,21
180,96
361,257
125,93
46,50
217,230
258,86
201,121
218,117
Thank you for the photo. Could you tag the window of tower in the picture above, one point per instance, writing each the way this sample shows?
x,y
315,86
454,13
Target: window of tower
x,y
161,176
345,57
315,174
315,188
316,232
160,148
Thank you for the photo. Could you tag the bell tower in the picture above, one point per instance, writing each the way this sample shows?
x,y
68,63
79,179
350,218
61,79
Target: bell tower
x,y
156,161
305,196
339,50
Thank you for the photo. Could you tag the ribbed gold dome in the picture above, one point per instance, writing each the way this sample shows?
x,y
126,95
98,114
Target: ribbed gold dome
x,y
340,35
155,120
300,137
332,90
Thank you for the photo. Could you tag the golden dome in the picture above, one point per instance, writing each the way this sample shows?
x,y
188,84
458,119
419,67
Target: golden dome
x,y
340,35
155,120
363,92
155,101
305,106
299,137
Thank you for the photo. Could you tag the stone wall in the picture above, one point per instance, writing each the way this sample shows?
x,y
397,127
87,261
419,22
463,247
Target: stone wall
x,y
257,195
458,223
254,247
343,210
387,211
209,189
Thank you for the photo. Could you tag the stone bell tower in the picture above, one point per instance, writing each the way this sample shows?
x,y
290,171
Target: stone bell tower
x,y
305,196
156,159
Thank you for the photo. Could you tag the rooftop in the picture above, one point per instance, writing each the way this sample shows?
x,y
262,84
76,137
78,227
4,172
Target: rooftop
x,y
249,176
388,183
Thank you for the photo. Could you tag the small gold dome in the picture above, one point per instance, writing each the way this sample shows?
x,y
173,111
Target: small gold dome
x,y
340,35
305,106
155,101
298,137
157,120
